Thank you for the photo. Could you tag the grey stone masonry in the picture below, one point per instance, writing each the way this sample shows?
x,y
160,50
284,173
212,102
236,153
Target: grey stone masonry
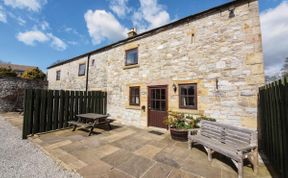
x,y
212,48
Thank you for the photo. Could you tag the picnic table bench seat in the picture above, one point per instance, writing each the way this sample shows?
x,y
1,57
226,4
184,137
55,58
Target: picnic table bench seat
x,y
90,120
234,142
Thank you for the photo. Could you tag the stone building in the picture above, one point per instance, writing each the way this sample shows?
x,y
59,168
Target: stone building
x,y
208,64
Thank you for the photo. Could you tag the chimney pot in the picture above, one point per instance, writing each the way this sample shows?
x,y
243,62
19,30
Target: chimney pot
x,y
132,32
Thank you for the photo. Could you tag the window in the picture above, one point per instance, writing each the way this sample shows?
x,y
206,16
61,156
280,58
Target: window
x,y
82,69
58,73
188,96
135,96
131,57
93,62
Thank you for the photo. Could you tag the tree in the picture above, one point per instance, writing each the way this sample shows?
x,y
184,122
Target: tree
x,y
33,74
7,72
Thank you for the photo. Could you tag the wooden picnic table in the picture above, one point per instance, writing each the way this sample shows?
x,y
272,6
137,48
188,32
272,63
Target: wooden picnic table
x,y
90,120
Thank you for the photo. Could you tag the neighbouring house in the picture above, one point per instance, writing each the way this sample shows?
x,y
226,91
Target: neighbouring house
x,y
19,69
210,63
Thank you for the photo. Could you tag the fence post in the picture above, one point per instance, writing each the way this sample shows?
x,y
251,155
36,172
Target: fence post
x,y
61,108
49,110
43,107
36,113
27,114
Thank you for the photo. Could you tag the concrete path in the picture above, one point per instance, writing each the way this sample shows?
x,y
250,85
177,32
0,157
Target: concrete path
x,y
20,158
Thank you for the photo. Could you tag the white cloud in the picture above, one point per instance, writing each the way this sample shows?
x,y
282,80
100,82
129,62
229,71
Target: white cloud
x,y
32,5
34,36
57,43
150,15
274,24
103,25
44,25
21,21
30,37
120,7
72,42
3,16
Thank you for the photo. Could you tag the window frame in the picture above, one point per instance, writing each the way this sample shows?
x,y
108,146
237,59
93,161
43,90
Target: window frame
x,y
57,79
130,96
195,96
126,52
79,70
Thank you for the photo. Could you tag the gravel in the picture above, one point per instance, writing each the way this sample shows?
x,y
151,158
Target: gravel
x,y
20,158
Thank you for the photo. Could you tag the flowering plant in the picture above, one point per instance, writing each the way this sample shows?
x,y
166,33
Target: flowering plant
x,y
181,120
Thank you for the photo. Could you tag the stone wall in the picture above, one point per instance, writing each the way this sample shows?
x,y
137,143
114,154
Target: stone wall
x,y
223,48
12,91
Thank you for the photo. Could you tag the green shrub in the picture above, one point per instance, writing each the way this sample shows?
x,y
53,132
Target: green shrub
x,y
33,74
4,72
181,120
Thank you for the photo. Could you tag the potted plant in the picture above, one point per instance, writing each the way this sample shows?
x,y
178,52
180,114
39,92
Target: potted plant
x,y
179,123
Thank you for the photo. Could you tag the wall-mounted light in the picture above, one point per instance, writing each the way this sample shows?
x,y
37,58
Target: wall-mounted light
x,y
217,84
231,13
143,108
174,87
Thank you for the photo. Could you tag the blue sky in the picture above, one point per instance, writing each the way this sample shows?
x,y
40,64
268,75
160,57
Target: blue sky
x,y
40,32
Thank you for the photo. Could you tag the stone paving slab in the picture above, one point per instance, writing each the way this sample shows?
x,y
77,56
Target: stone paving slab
x,y
132,152
128,162
159,170
148,151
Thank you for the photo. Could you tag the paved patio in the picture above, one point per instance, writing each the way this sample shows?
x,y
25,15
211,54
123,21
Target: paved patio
x,y
132,152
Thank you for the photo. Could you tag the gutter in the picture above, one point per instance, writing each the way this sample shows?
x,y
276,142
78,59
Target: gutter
x,y
87,73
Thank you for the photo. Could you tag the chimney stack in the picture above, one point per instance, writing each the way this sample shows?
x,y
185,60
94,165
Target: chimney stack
x,y
132,32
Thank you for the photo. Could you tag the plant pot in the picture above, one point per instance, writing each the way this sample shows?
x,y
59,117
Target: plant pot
x,y
179,134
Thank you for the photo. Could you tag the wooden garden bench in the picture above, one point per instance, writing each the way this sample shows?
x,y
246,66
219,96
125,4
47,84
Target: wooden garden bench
x,y
234,142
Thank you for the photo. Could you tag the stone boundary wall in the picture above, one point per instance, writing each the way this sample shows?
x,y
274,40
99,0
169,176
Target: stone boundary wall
x,y
12,91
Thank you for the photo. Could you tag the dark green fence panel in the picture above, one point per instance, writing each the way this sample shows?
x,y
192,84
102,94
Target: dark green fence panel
x,y
46,110
43,109
273,124
71,113
49,110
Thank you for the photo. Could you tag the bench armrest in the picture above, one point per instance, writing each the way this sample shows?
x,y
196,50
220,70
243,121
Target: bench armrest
x,y
246,148
192,131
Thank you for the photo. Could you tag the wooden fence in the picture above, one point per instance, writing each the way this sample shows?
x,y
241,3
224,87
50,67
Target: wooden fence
x,y
46,110
273,122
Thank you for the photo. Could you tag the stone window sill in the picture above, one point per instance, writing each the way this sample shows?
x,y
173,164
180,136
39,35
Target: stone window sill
x,y
133,107
190,111
131,66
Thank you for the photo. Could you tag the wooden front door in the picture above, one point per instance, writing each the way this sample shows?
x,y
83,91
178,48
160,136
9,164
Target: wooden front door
x,y
157,106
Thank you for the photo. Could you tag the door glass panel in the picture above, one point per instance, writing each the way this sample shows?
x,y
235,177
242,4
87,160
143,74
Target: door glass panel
x,y
157,105
157,93
163,105
163,94
153,94
153,105
158,99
